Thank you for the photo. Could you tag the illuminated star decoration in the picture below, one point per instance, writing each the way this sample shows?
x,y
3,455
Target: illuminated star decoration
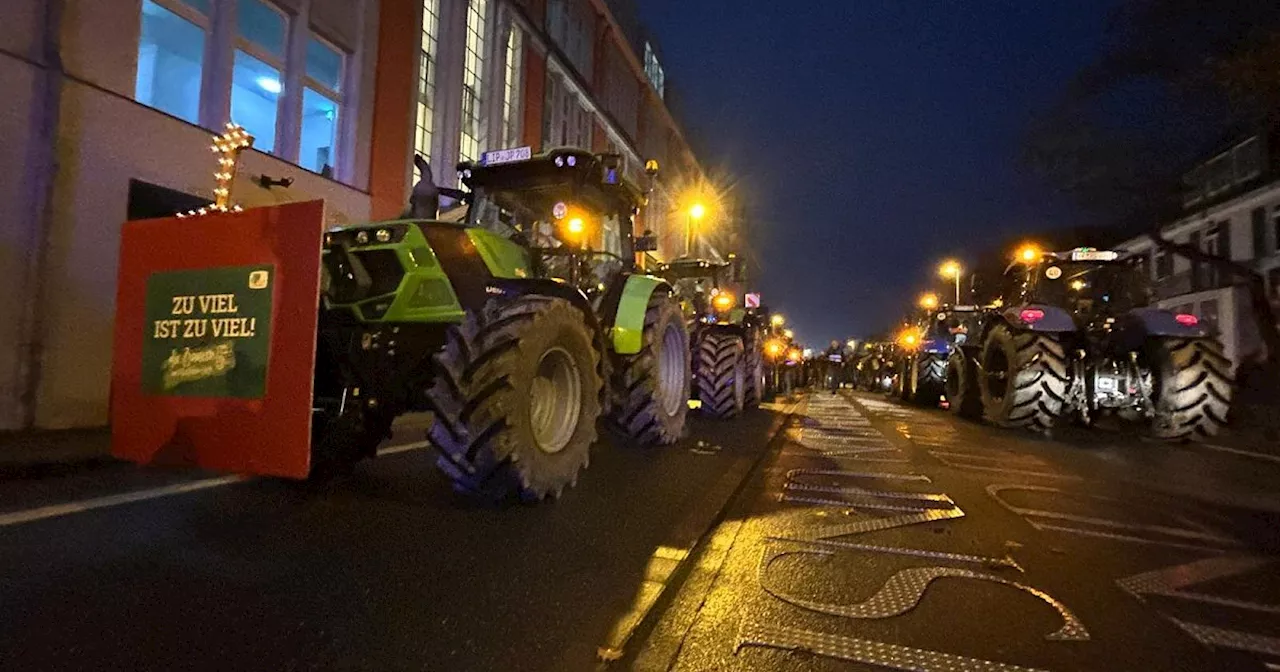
x,y
228,147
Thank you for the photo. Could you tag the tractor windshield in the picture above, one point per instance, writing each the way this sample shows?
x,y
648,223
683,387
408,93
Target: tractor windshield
x,y
1092,288
953,326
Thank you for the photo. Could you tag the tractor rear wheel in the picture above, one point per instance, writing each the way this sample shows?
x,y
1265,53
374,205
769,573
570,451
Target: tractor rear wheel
x,y
961,387
721,374
516,398
902,382
651,387
757,386
1192,387
928,373
1024,378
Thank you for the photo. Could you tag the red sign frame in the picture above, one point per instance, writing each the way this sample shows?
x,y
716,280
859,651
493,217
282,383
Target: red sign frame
x,y
268,435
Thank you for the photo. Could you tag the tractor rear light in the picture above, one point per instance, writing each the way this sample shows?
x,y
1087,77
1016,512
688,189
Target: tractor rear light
x,y
1031,315
1186,319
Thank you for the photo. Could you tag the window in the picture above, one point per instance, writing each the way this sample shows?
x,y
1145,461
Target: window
x,y
1258,218
513,82
321,106
1275,229
1164,264
472,82
653,69
256,83
571,24
568,124
425,119
171,60
257,45
611,235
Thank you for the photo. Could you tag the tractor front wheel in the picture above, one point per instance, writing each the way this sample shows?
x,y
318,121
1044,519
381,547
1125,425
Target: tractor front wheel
x,y
1024,378
651,387
930,370
1192,387
757,385
961,386
721,374
516,398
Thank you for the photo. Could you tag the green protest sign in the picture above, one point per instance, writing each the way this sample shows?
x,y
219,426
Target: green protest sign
x,y
208,332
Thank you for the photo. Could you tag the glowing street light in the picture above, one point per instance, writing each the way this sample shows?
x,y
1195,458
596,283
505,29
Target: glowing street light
x,y
788,333
696,211
1029,253
777,320
951,269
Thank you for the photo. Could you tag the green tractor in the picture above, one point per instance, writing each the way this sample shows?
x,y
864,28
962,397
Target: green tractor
x,y
728,329
517,319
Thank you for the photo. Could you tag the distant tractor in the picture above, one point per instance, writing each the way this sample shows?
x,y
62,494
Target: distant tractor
x,y
728,329
873,366
1074,338
927,348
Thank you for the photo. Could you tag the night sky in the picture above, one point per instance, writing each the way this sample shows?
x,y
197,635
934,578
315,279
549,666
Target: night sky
x,y
871,138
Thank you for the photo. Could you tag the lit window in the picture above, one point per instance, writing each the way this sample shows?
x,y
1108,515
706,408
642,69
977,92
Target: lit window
x,y
261,25
512,84
255,99
472,82
425,118
321,107
170,62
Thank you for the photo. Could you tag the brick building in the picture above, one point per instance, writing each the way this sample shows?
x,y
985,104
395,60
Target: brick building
x,y
110,104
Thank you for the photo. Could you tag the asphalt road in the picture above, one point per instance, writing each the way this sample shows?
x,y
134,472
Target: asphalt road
x,y
131,569
883,536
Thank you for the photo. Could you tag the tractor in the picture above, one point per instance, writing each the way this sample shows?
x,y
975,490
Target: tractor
x,y
873,366
1073,338
517,319
729,330
927,347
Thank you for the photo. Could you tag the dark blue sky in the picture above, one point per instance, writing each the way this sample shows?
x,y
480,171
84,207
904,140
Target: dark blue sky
x,y
871,138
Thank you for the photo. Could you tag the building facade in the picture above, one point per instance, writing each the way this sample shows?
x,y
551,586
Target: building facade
x,y
111,104
1232,210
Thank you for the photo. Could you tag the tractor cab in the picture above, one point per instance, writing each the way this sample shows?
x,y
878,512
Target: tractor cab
x,y
573,210
1091,285
952,325
707,289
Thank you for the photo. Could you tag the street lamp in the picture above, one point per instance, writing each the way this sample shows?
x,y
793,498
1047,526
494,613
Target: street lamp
x,y
951,269
777,320
696,211
788,333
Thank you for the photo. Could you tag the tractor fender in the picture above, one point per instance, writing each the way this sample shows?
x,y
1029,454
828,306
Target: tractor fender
x,y
513,287
1055,320
623,309
1157,322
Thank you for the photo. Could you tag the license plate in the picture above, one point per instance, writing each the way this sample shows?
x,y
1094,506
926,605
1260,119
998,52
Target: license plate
x,y
1094,255
1107,385
498,156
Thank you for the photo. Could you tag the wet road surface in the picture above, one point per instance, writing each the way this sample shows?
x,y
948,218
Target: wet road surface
x,y
884,536
387,571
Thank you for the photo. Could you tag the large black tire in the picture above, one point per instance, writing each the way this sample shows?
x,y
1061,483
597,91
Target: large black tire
x,y
1024,378
902,380
721,374
505,374
929,370
961,387
651,388
757,385
1192,387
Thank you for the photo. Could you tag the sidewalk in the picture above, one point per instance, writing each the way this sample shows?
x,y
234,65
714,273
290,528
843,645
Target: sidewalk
x,y
36,454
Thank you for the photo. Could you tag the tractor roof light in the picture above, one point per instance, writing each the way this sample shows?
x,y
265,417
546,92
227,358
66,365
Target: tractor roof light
x,y
794,355
576,226
1031,315
929,301
1029,254
777,320
1187,319
908,339
774,348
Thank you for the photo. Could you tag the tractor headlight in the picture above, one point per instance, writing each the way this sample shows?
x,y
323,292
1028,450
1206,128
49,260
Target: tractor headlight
x,y
723,301
362,237
383,235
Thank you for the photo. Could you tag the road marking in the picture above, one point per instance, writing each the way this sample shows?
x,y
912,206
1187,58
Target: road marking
x,y
58,510
1242,453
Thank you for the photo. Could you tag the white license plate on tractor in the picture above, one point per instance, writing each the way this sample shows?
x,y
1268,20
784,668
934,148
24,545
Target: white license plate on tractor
x,y
512,155
1094,255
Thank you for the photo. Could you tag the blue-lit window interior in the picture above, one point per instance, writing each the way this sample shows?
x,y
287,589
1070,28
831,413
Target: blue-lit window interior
x,y
262,25
170,60
319,131
324,64
255,99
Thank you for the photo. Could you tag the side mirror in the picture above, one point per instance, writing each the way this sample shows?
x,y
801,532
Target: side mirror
x,y
647,243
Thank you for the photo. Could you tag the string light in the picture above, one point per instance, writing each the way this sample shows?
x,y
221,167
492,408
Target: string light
x,y
228,147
